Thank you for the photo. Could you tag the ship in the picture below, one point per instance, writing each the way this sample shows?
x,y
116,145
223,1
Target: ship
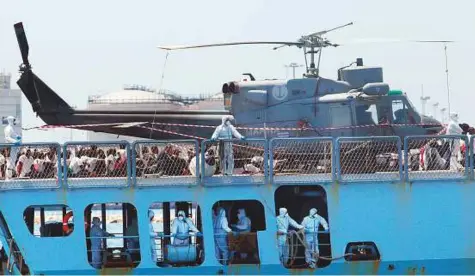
x,y
392,213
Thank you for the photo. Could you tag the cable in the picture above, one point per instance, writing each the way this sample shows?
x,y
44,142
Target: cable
x,y
159,88
447,77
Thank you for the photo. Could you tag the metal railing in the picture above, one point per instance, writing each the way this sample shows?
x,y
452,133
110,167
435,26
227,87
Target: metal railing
x,y
96,164
165,163
256,162
435,158
298,249
30,166
297,160
128,255
368,158
234,162
236,248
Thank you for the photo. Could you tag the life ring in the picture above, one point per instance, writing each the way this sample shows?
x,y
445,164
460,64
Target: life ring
x,y
66,218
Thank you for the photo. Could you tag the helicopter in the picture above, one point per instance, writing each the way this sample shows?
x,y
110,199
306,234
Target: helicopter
x,y
358,103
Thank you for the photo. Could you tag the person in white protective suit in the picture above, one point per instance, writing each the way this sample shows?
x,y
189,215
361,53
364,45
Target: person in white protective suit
x,y
453,128
243,226
11,137
153,236
181,227
97,242
283,223
311,224
221,229
226,131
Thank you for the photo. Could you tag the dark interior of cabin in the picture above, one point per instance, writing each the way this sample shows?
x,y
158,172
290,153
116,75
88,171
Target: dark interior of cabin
x,y
125,252
191,254
299,200
243,247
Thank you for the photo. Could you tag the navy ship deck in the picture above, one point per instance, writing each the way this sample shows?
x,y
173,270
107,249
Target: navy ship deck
x,y
386,214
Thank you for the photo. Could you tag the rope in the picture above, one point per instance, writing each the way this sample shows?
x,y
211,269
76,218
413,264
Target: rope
x,y
159,88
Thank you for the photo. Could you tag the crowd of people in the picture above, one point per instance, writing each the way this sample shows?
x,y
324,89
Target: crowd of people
x,y
25,162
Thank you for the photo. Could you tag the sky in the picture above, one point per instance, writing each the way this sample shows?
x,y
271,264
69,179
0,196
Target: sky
x,y
94,47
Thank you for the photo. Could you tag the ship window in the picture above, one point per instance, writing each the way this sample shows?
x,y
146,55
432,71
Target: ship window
x,y
176,242
361,251
112,236
236,223
49,220
302,234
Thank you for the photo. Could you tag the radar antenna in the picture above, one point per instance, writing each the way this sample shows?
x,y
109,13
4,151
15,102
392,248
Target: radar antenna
x,y
314,42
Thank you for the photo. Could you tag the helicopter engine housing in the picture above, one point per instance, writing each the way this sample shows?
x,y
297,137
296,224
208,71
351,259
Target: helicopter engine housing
x,y
358,76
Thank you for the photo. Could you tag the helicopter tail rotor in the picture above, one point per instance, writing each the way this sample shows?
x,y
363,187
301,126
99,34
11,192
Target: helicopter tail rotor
x,y
22,43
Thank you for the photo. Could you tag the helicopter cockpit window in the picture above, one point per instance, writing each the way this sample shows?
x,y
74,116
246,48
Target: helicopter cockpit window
x,y
366,114
400,112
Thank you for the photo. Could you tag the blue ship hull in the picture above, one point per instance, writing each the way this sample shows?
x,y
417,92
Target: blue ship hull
x,y
419,226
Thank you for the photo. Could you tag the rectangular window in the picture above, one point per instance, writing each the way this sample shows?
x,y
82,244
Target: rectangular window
x,y
175,234
112,236
302,226
49,220
340,116
235,224
399,112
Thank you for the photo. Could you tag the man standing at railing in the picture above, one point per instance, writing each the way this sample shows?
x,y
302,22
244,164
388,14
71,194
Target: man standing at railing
x,y
96,235
181,227
283,223
311,223
226,131
454,129
11,137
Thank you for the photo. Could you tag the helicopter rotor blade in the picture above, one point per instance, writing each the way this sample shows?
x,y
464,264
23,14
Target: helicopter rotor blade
x,y
384,40
171,48
22,42
330,30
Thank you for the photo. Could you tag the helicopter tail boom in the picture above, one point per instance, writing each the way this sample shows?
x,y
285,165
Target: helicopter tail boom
x,y
42,98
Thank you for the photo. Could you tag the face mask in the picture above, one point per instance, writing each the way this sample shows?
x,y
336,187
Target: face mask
x,y
228,123
180,218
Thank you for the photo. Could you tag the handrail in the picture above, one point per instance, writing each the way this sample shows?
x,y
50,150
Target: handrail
x,y
304,160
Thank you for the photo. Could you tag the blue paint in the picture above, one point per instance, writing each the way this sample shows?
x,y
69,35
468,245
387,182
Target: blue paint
x,y
418,226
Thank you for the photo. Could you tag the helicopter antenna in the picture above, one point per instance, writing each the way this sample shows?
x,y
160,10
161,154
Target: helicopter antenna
x,y
447,77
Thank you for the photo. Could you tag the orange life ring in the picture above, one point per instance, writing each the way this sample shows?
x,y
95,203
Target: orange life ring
x,y
66,218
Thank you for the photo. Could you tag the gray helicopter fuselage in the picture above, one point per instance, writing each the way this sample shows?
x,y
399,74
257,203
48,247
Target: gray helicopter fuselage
x,y
359,104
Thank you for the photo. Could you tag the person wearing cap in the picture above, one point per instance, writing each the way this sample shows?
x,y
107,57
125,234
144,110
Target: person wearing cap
x,y
283,223
96,235
181,227
226,131
311,223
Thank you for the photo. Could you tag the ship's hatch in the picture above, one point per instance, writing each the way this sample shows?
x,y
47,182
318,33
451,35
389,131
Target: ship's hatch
x,y
300,247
